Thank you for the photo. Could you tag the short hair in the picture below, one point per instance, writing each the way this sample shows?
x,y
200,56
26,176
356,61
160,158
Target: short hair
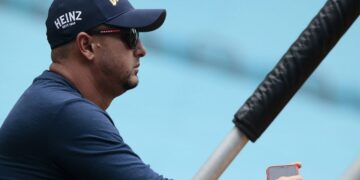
x,y
61,52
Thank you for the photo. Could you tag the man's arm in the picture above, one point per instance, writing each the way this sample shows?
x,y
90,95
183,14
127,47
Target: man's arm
x,y
86,145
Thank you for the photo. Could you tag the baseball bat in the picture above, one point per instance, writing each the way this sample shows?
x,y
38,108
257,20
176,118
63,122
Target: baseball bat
x,y
283,81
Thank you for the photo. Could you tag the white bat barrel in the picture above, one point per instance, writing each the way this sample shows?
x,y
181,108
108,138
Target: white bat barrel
x,y
353,173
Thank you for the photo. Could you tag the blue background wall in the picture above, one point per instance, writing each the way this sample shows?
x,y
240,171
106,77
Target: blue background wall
x,y
201,66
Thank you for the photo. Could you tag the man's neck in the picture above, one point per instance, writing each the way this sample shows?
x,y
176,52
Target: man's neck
x,y
82,79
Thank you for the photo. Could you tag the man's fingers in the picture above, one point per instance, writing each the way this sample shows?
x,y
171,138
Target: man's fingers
x,y
298,164
291,178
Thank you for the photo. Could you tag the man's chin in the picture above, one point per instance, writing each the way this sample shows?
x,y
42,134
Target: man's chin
x,y
131,85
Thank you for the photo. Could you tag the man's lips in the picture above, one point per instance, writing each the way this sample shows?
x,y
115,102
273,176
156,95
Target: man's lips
x,y
136,68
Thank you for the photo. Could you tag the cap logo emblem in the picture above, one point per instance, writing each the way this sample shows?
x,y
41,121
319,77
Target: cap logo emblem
x,y
114,2
68,19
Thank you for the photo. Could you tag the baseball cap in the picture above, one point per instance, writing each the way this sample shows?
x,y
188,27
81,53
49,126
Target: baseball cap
x,y
66,18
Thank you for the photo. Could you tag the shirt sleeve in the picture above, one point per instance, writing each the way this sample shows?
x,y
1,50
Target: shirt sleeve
x,y
86,145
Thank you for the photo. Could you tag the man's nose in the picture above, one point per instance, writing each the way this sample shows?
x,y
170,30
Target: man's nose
x,y
140,50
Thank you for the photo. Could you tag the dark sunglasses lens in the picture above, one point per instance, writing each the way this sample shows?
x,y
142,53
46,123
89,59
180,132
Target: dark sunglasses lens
x,y
134,38
131,37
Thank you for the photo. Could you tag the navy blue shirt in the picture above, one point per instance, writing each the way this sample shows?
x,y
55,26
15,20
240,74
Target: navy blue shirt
x,y
54,133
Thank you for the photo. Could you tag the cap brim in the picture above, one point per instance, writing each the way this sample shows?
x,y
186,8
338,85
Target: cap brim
x,y
143,20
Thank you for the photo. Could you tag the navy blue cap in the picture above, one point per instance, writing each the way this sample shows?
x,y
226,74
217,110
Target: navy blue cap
x,y
66,18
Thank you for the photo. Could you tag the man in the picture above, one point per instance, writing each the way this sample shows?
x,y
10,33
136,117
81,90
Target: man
x,y
59,128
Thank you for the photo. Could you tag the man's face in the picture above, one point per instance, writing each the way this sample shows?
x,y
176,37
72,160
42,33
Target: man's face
x,y
116,63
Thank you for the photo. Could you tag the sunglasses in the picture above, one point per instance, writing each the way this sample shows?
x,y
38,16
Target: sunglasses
x,y
129,36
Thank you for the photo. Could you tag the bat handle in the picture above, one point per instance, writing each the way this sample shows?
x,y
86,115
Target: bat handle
x,y
223,155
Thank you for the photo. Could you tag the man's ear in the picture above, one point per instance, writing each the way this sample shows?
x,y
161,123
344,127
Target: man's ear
x,y
84,43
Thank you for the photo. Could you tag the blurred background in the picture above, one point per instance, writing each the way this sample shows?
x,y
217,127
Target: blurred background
x,y
201,66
